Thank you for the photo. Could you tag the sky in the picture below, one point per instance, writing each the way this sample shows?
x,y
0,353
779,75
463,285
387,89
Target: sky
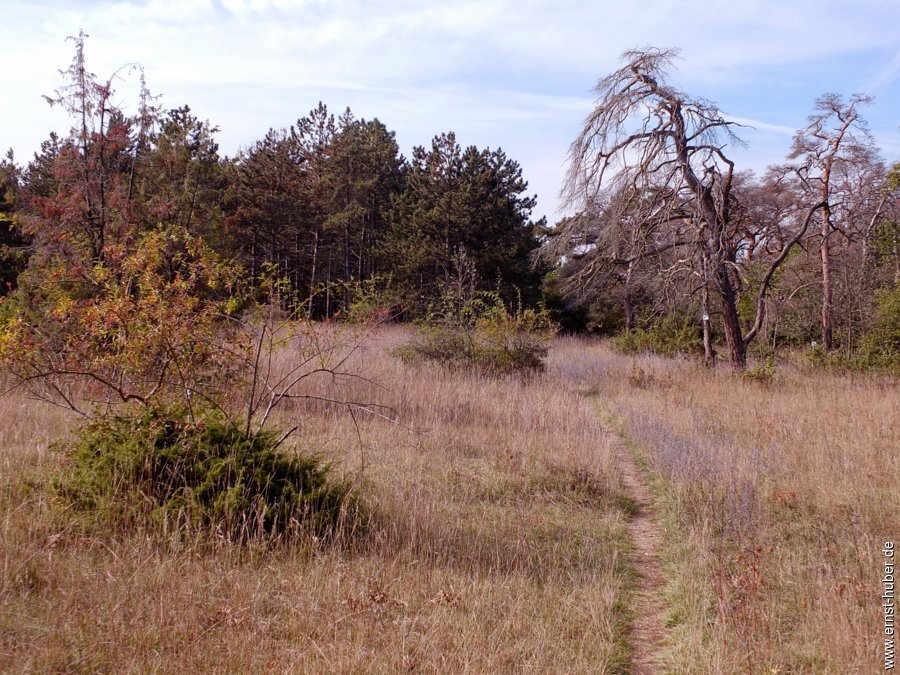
x,y
514,74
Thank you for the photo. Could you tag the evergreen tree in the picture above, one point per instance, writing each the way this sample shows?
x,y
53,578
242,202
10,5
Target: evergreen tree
x,y
313,199
13,245
181,178
468,200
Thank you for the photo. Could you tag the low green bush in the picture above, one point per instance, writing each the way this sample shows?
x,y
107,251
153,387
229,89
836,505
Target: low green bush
x,y
159,471
761,373
484,336
375,300
880,348
673,334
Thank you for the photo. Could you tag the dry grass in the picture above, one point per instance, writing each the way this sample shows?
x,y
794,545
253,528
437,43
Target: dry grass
x,y
777,497
496,546
499,531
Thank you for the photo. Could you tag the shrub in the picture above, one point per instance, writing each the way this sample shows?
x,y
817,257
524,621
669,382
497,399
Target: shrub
x,y
145,323
818,358
483,335
674,334
880,347
762,373
374,300
161,472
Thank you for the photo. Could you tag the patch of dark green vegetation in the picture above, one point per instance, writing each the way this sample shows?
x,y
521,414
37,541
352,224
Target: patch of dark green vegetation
x,y
162,472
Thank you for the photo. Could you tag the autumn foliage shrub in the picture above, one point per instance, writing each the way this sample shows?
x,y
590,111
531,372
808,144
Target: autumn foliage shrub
x,y
157,346
143,324
160,472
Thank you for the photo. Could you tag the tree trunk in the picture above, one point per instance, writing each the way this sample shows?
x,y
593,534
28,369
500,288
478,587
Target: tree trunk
x,y
709,354
101,152
313,270
715,250
896,262
827,333
347,265
716,256
734,337
627,306
361,256
328,288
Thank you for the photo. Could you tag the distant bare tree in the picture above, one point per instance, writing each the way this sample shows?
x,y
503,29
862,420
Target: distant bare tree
x,y
615,243
644,137
835,134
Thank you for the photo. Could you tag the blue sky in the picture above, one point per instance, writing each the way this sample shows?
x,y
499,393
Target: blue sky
x,y
515,74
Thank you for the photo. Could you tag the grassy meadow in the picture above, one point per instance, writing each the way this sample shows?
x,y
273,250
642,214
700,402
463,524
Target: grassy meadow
x,y
496,545
776,497
499,530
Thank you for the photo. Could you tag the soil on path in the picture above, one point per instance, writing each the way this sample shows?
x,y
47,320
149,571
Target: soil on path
x,y
647,631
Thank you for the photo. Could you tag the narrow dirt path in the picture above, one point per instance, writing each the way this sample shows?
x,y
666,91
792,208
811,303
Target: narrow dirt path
x,y
647,630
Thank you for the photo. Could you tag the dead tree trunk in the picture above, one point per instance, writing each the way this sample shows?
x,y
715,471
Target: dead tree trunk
x,y
709,354
627,304
731,325
827,293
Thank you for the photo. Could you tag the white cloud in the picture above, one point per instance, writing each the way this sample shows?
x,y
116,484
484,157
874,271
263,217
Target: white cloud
x,y
884,76
765,126
499,72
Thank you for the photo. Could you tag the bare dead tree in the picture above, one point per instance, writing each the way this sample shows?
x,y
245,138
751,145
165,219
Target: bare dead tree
x,y
647,137
615,243
835,134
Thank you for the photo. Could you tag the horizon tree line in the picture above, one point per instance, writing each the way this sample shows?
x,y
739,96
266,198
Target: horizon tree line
x,y
329,201
664,223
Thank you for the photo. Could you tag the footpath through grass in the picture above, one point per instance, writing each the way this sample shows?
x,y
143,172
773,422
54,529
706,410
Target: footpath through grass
x,y
776,498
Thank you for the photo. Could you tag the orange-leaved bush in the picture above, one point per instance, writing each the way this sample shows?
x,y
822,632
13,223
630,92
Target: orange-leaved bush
x,y
145,324
147,343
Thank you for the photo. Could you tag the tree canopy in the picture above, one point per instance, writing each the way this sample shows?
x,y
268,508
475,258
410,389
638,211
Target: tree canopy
x,y
661,223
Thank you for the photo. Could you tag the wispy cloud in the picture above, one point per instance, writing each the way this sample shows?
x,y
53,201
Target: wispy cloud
x,y
764,126
884,76
511,73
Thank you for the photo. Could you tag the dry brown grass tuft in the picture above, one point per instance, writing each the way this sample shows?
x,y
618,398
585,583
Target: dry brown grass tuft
x,y
777,496
496,545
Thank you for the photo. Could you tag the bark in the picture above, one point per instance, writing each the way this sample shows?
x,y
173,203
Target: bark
x,y
627,305
709,354
734,339
715,225
827,292
347,265
328,288
628,309
312,269
825,252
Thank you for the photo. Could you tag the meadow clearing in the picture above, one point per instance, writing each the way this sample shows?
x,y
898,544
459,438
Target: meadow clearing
x,y
776,497
499,535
